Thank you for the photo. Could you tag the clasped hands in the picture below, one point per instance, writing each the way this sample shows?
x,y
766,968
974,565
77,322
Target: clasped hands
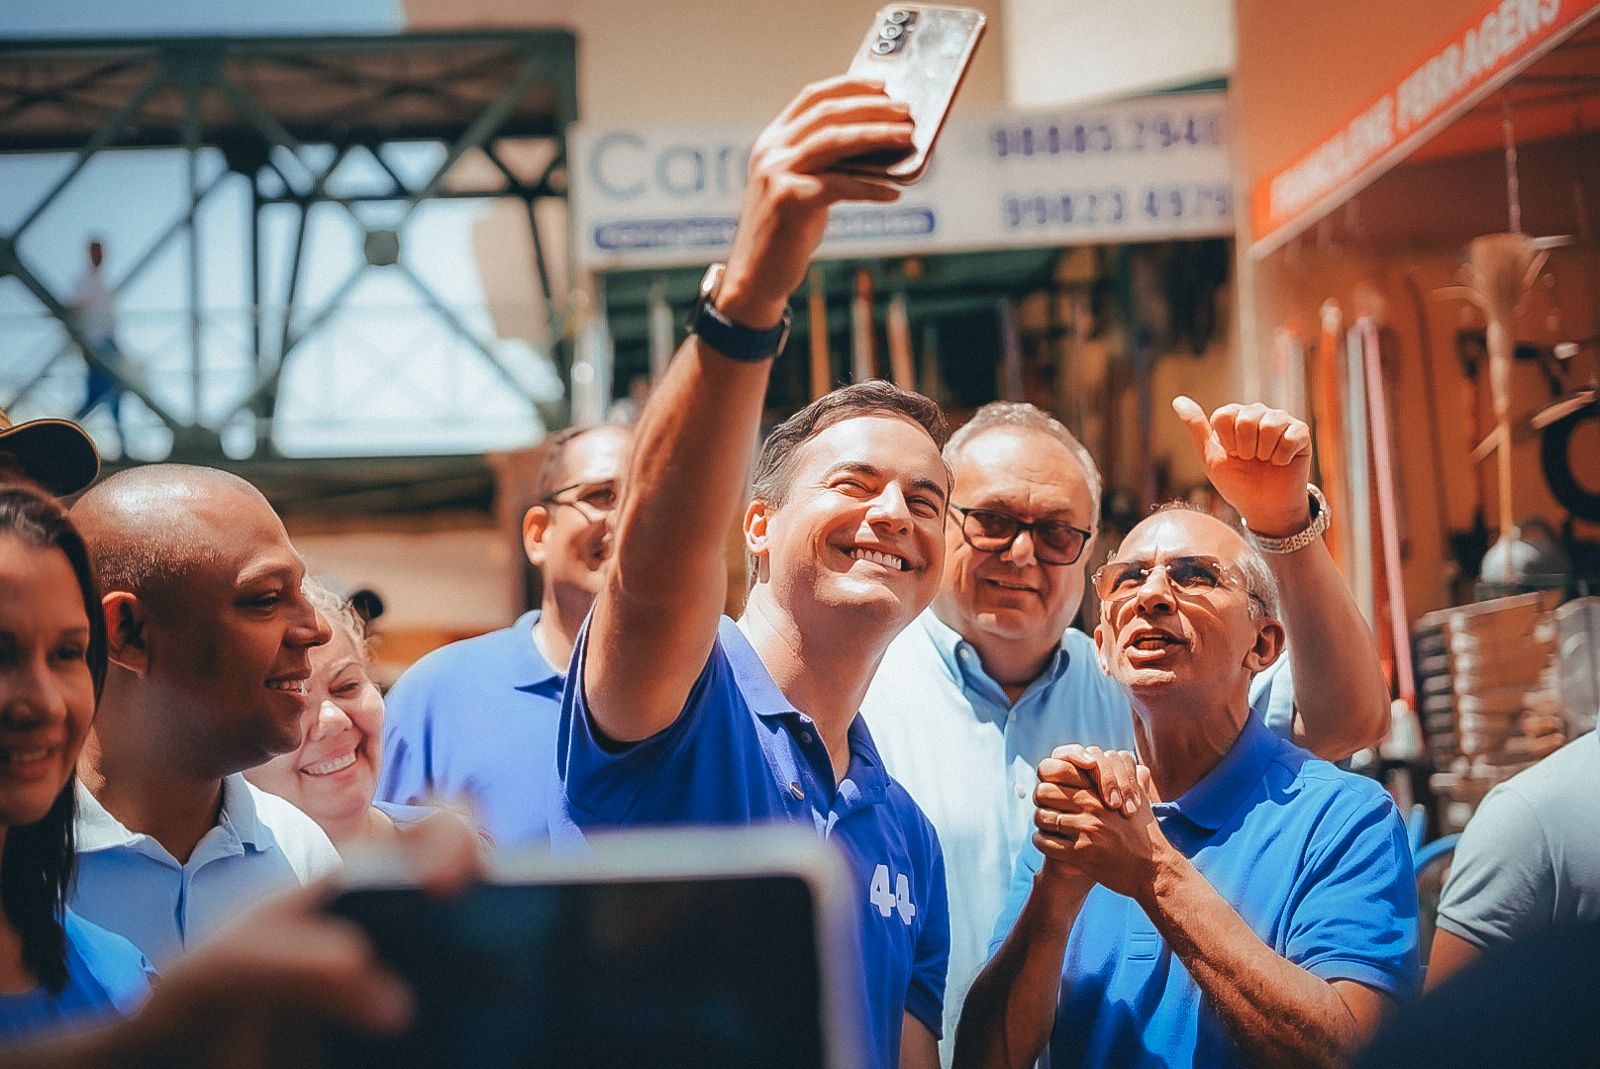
x,y
1093,820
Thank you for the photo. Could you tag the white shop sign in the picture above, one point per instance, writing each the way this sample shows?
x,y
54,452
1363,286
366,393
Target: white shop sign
x,y
1139,170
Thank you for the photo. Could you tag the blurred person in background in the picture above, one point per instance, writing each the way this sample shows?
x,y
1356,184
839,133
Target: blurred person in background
x,y
993,672
94,312
332,776
1529,1002
57,970
474,723
209,638
52,454
1224,899
1527,863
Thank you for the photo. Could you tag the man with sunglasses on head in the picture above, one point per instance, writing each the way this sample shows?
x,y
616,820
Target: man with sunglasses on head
x,y
992,677
1224,899
474,723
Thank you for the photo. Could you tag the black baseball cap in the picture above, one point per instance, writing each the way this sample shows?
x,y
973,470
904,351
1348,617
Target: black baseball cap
x,y
55,453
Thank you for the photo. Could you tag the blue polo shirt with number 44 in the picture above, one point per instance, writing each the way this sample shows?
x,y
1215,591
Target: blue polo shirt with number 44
x,y
739,753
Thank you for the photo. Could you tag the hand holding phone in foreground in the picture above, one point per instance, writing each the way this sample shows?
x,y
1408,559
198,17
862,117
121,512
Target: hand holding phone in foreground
x,y
255,995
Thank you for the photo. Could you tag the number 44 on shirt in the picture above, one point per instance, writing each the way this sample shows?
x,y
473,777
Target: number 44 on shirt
x,y
889,903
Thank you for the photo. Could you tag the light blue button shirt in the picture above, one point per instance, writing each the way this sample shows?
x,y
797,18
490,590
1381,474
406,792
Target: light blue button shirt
x,y
950,735
128,883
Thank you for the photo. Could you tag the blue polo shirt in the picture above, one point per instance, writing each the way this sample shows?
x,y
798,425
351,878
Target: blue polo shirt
x,y
739,753
932,698
106,977
474,723
1313,859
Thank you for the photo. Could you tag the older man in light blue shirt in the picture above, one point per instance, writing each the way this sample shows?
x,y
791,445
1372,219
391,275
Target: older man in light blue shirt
x,y
989,680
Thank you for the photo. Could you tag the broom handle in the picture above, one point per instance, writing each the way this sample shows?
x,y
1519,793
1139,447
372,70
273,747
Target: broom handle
x,y
1388,518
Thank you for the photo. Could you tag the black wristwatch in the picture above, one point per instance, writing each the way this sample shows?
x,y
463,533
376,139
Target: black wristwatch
x,y
727,337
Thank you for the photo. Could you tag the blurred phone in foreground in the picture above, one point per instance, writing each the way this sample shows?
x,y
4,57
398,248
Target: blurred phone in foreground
x,y
716,948
920,53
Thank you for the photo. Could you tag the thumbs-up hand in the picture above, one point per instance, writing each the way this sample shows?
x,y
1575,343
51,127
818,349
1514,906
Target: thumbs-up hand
x,y
1259,460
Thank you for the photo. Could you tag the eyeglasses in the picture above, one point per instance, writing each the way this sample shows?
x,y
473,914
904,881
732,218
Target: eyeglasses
x,y
1054,541
1119,580
594,501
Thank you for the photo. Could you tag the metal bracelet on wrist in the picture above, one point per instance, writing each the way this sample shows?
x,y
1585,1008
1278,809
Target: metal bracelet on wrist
x,y
1321,517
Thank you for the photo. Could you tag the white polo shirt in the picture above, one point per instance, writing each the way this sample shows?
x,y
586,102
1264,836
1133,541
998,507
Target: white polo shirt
x,y
128,883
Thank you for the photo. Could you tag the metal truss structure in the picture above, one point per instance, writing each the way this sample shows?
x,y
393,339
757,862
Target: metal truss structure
x,y
286,112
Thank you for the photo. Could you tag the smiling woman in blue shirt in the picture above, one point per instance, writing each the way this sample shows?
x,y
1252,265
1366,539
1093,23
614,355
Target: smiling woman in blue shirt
x,y
56,969
756,720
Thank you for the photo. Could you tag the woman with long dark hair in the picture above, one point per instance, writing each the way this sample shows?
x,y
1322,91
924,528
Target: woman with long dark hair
x,y
56,969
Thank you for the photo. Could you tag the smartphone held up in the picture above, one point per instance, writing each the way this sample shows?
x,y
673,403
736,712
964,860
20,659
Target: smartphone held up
x,y
920,52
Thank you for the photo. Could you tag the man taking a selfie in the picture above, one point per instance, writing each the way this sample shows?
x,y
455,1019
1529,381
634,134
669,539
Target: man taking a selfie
x,y
677,719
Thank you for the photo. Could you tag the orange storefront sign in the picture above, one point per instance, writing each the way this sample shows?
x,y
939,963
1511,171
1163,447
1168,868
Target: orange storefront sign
x,y
1478,56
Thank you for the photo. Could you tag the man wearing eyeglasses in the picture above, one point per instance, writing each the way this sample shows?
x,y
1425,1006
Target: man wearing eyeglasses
x,y
991,678
474,723
1225,899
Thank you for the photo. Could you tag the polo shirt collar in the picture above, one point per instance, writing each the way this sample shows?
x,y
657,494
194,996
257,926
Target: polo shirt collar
x,y
949,644
527,663
764,698
754,681
1209,803
97,829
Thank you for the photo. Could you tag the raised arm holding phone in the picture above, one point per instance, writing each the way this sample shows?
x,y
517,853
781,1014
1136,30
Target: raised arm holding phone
x,y
679,719
692,451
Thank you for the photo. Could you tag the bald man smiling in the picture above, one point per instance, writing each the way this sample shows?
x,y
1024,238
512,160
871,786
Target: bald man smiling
x,y
209,639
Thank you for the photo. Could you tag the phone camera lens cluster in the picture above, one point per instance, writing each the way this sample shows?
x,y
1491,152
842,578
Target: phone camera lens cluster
x,y
893,33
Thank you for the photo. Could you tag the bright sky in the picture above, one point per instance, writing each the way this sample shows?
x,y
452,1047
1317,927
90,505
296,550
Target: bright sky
x,y
387,376
160,18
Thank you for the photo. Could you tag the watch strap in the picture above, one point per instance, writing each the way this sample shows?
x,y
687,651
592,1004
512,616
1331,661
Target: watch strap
x,y
735,341
1321,517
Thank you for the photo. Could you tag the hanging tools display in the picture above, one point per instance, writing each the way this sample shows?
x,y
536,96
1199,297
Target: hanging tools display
x,y
1499,271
